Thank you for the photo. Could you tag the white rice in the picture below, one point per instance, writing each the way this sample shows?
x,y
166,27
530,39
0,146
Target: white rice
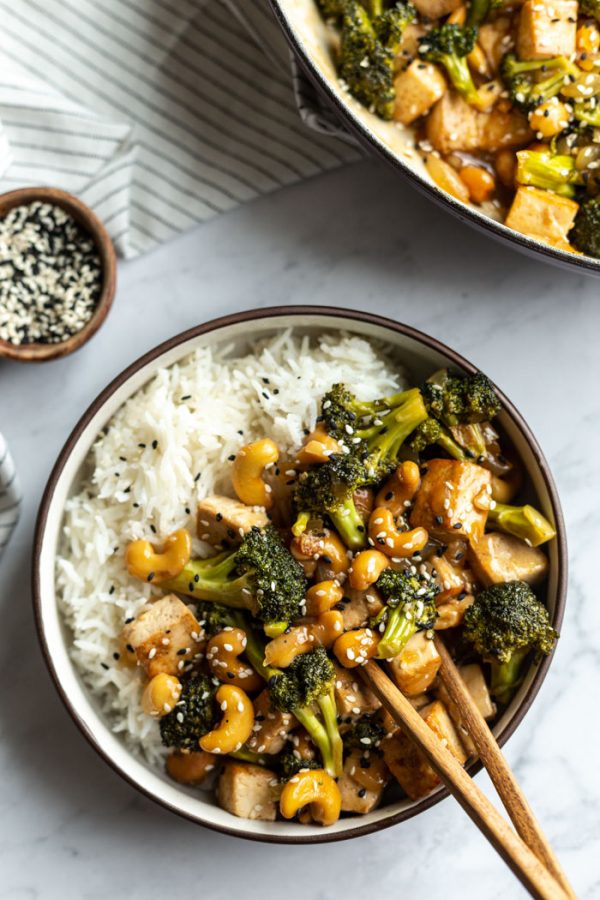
x,y
273,391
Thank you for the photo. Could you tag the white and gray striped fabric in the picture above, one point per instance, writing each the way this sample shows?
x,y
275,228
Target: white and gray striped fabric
x,y
158,113
10,495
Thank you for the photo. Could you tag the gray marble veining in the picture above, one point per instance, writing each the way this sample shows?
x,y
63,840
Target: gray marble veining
x,y
69,828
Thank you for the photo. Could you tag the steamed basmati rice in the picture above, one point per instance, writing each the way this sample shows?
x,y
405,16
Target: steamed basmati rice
x,y
168,446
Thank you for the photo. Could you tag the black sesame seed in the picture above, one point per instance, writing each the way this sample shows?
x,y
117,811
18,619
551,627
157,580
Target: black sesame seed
x,y
218,517
187,397
183,651
457,525
439,520
116,656
231,458
150,576
362,792
153,529
154,444
111,589
389,495
129,647
187,510
104,666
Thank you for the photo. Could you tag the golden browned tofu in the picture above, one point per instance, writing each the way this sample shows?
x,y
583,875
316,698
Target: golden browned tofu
x,y
417,89
271,726
494,39
353,698
416,667
497,557
356,798
434,9
409,45
222,521
451,579
248,791
452,611
406,762
361,607
453,500
474,680
547,28
164,636
542,214
454,125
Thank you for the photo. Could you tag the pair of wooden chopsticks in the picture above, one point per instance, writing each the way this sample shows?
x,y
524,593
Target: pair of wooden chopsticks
x,y
526,850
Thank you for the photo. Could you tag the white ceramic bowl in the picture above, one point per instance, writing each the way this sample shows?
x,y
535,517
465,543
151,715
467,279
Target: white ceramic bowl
x,y
307,34
421,355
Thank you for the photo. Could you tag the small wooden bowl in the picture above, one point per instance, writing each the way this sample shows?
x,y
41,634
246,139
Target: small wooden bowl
x,y
83,215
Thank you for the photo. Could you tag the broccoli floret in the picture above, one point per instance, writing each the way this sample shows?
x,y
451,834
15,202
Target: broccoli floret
x,y
289,763
524,522
332,9
367,51
590,8
327,490
195,714
309,680
585,235
410,607
457,400
480,11
366,734
531,82
449,46
261,575
214,618
505,624
550,171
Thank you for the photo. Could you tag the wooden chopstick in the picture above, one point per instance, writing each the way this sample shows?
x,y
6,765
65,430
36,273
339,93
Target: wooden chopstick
x,y
523,862
498,769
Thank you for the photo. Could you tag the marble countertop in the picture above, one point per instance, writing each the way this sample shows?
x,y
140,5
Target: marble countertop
x,y
69,827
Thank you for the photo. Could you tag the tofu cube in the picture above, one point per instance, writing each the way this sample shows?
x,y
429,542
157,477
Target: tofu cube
x,y
452,612
248,791
361,607
417,89
497,557
356,797
474,680
416,667
455,125
221,521
453,499
271,726
547,28
164,636
542,215
353,698
434,9
406,762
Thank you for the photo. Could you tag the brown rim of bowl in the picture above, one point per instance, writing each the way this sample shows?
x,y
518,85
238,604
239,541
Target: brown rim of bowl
x,y
270,313
358,129
83,215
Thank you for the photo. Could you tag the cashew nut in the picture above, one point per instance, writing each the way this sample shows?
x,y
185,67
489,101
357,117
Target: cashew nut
x,y
366,568
282,650
397,492
315,788
323,596
145,563
327,547
190,768
248,469
354,648
236,726
383,532
161,694
318,447
222,654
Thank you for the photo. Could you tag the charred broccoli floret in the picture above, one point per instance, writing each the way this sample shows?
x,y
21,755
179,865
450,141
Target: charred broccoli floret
x,y
261,575
550,171
448,46
289,762
310,680
585,234
531,82
195,714
410,607
524,522
366,734
328,490
214,618
460,402
368,47
505,624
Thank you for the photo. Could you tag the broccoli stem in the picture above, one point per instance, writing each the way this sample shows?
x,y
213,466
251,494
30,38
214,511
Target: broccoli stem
x,y
524,522
386,440
506,676
301,524
207,579
321,738
328,708
397,632
258,759
349,525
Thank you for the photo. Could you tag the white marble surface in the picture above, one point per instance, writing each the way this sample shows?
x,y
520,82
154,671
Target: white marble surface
x,y
69,827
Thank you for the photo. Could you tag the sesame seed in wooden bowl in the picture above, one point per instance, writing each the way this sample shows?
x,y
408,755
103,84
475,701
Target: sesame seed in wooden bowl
x,y
35,244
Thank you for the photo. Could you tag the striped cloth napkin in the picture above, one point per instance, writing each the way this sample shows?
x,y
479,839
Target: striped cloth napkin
x,y
158,113
10,495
